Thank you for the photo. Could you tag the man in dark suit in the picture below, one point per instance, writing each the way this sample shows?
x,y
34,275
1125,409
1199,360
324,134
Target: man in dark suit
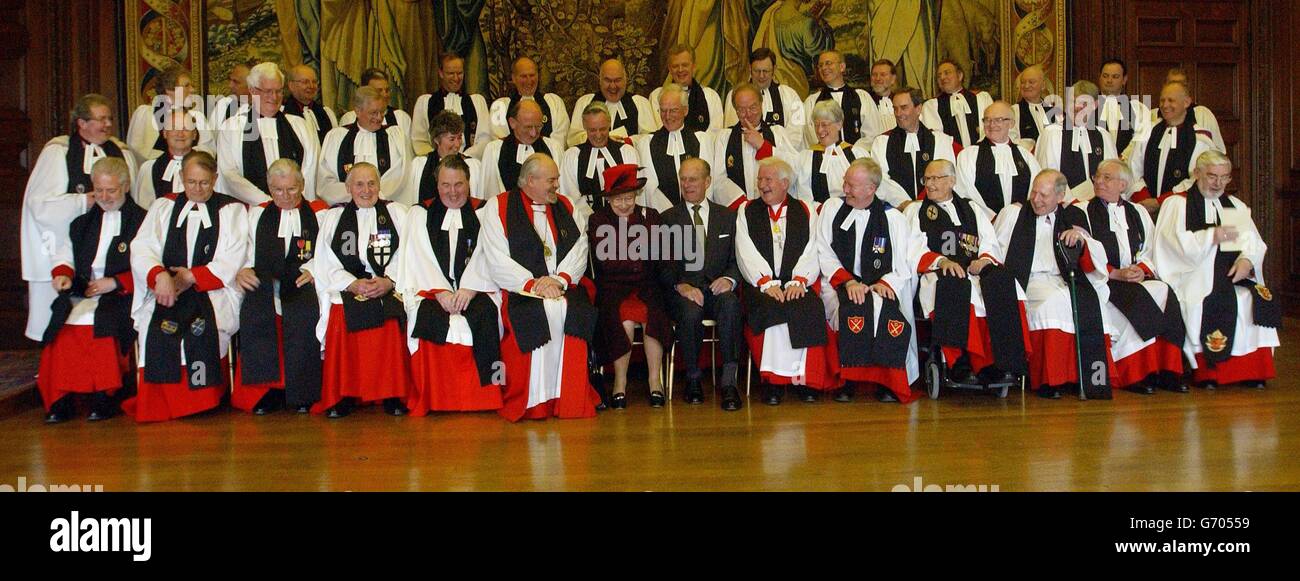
x,y
703,281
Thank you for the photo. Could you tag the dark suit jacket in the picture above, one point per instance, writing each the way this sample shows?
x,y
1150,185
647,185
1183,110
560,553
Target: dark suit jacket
x,y
719,247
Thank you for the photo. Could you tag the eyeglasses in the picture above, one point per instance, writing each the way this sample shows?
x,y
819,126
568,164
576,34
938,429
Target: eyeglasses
x,y
992,120
928,179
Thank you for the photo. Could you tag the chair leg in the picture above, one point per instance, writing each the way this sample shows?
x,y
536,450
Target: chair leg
x,y
749,373
672,355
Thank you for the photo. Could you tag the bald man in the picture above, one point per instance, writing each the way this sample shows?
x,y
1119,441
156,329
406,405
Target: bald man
x,y
861,116
996,171
524,77
1163,157
1206,123
502,158
629,114
1034,110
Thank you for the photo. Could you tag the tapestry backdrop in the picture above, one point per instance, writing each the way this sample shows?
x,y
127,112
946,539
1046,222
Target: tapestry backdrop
x,y
992,39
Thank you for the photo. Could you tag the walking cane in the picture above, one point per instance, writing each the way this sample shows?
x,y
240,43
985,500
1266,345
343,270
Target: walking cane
x,y
1070,258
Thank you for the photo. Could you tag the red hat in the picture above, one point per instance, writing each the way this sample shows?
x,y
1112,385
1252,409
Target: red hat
x,y
621,178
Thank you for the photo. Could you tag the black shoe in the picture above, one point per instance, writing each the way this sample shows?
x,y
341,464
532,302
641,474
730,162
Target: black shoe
x,y
271,402
657,399
773,395
807,395
694,393
844,394
393,407
884,395
1141,389
57,417
997,377
1048,392
963,376
598,383
340,410
730,398
1257,384
61,411
618,401
102,407
1210,385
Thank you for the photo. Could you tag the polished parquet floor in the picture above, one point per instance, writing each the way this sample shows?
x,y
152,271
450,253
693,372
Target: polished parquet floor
x,y
1232,439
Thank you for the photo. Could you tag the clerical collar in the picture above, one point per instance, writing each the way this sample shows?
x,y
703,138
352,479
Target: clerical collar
x,y
839,89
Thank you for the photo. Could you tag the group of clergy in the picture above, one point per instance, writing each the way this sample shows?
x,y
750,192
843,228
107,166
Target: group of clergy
x,y
475,255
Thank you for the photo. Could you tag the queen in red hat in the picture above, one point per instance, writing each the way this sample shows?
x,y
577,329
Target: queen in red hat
x,y
627,274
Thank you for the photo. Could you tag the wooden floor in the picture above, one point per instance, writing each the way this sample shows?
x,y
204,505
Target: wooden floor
x,y
1229,439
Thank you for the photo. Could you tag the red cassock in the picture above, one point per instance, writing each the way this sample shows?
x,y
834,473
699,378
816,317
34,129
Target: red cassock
x,y
370,365
79,362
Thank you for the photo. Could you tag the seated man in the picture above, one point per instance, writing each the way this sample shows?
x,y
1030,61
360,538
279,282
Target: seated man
x,y
279,355
1215,265
870,257
962,284
738,149
365,139
535,251
88,343
1028,235
703,285
454,339
582,171
184,260
1146,322
776,249
422,180
358,267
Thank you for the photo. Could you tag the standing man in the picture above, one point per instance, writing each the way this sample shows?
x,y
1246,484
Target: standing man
x,y
582,172
1077,148
738,149
450,96
630,115
861,117
58,191
554,117
884,82
904,151
303,101
378,80
781,104
1122,116
704,103
503,158
996,172
368,140
1163,157
957,111
249,143
664,151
